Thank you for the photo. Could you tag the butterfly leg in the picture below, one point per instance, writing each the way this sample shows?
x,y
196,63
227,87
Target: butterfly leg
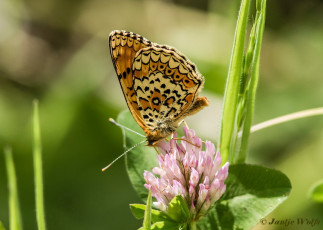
x,y
156,149
182,121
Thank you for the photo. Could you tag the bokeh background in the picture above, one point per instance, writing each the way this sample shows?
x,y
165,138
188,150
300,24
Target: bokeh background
x,y
57,51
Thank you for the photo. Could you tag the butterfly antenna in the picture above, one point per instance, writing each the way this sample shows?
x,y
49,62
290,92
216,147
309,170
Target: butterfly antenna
x,y
128,150
124,127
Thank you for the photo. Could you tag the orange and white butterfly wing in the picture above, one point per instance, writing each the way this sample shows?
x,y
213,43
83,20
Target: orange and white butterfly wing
x,y
159,84
123,47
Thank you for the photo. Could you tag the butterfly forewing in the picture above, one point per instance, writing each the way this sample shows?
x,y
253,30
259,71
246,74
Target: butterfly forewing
x,y
123,47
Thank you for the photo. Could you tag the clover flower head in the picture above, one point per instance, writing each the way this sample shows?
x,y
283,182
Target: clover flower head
x,y
187,170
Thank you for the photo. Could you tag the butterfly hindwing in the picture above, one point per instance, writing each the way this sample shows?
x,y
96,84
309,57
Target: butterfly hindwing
x,y
165,84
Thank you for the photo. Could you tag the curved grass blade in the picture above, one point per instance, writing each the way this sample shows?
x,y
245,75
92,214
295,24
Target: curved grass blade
x,y
147,217
15,221
254,77
233,80
38,171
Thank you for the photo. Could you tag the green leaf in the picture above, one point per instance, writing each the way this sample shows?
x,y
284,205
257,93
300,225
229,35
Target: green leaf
x,y
165,225
1,226
147,215
316,192
178,210
140,158
138,210
15,220
252,193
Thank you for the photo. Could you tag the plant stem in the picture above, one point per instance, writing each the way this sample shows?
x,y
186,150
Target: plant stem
x,y
192,225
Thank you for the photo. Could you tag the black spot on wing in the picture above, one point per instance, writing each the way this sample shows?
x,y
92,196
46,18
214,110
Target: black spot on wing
x,y
167,91
171,110
139,88
176,93
179,102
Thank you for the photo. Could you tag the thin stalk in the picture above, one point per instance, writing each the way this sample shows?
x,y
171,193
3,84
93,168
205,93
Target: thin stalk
x,y
38,169
286,118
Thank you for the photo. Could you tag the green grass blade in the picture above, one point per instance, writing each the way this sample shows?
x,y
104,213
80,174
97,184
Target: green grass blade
x,y
14,210
232,85
147,217
1,226
254,77
38,171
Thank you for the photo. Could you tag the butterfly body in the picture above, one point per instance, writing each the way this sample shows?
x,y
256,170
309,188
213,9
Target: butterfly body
x,y
159,84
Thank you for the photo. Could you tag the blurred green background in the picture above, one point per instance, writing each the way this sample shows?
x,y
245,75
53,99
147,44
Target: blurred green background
x,y
57,51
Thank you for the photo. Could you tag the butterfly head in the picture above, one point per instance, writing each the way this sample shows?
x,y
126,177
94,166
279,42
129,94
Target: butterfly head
x,y
159,133
154,137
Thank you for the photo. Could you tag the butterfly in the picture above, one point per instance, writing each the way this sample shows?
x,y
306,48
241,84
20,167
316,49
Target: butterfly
x,y
160,85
